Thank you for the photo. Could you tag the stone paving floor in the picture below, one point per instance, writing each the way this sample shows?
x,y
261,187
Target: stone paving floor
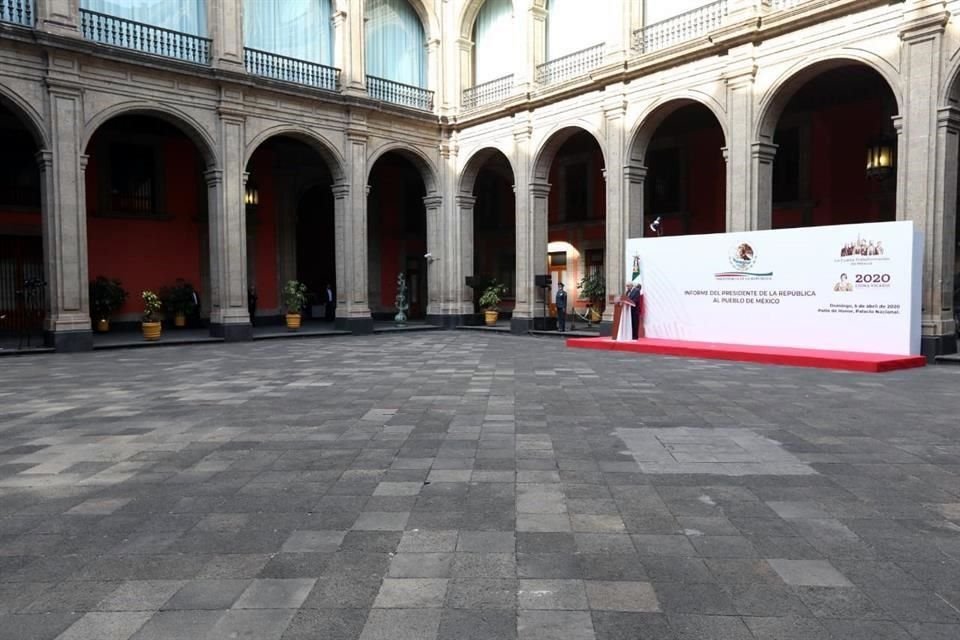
x,y
466,486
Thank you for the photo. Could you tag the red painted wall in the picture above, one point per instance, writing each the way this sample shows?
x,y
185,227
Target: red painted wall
x,y
265,245
150,254
839,188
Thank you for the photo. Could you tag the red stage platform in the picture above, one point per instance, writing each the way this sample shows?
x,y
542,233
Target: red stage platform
x,y
846,360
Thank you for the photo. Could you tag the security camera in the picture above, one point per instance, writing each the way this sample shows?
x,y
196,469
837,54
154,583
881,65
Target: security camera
x,y
428,256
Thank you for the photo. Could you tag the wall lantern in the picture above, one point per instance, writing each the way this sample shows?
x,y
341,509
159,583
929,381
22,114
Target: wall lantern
x,y
880,158
251,197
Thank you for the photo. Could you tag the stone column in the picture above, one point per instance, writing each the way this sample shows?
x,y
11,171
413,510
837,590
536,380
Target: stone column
x,y
619,33
635,177
350,218
229,317
465,79
61,17
439,260
463,294
740,74
225,26
616,217
434,71
537,43
920,162
945,211
762,155
531,257
349,39
64,223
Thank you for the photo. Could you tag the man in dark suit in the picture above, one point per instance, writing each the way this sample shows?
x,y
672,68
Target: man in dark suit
x,y
636,296
561,307
330,312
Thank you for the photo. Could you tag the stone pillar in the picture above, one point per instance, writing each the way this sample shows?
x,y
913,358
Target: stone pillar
x,y
741,70
465,79
463,294
350,218
619,34
61,17
349,53
531,257
635,177
225,26
229,317
920,162
64,224
439,260
537,43
945,210
616,218
434,73
762,155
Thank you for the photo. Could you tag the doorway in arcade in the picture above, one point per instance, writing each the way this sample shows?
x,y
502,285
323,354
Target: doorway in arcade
x,y
397,236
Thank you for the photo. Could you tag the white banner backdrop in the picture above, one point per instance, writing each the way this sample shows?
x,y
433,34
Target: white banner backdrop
x,y
845,288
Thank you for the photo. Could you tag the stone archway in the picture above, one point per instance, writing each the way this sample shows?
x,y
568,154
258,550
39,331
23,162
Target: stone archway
x,y
677,172
486,211
814,131
24,283
291,231
572,217
147,188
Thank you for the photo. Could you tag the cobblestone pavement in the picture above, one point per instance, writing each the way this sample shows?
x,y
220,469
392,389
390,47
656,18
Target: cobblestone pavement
x,y
470,487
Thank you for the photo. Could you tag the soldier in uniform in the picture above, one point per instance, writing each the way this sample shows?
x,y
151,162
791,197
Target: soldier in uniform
x,y
561,307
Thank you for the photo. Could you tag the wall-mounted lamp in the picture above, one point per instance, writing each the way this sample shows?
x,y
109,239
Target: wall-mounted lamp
x,y
881,158
251,196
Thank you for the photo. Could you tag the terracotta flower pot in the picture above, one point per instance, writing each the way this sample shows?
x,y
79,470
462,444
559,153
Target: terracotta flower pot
x,y
293,321
103,325
151,330
490,317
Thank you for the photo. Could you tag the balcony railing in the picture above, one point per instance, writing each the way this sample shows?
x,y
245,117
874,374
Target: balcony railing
x,y
17,12
120,32
278,67
681,28
399,93
571,65
488,92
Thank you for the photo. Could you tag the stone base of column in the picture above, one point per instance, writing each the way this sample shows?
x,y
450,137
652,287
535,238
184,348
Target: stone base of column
x,y
526,325
606,329
931,346
359,326
239,332
454,320
69,341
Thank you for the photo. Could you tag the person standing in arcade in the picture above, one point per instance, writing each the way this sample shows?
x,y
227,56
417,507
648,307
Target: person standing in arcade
x,y
561,308
636,296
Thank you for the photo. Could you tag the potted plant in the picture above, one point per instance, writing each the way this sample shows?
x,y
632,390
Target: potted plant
x,y
180,300
593,288
489,301
151,315
106,296
294,297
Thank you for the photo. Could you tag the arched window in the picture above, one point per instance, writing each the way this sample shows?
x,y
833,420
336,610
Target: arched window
x,y
185,16
493,28
300,29
572,27
395,42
